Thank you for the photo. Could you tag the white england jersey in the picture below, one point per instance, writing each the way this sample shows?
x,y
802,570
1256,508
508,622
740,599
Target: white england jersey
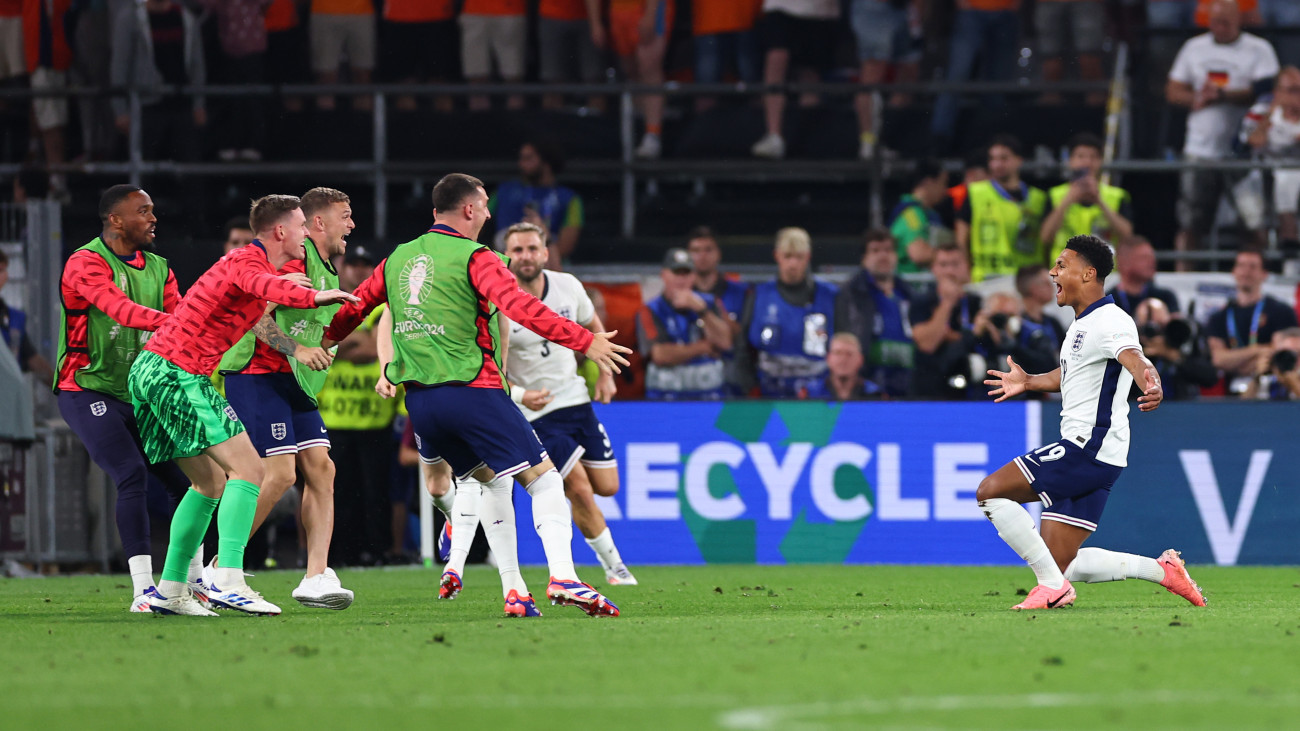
x,y
1094,386
534,362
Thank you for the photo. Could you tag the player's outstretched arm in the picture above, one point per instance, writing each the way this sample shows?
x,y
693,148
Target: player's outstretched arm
x,y
87,275
492,280
336,297
369,295
384,346
272,287
1145,375
1014,381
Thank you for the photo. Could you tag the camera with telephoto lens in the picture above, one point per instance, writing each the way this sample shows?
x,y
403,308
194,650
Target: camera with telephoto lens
x,y
1283,361
1177,333
1006,325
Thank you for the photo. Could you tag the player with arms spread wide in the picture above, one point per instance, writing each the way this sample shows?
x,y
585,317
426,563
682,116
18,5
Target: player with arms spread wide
x,y
1100,361
444,289
544,381
182,417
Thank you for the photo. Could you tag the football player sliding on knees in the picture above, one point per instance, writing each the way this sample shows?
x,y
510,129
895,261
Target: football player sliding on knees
x,y
1100,361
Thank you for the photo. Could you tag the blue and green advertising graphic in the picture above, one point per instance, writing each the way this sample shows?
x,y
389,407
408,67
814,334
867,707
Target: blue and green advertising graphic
x,y
804,482
1217,481
801,482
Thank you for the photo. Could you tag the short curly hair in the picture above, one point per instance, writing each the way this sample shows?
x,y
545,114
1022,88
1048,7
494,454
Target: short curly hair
x,y
1095,251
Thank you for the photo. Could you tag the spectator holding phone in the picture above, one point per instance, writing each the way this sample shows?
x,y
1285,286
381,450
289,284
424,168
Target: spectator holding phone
x,y
1084,204
1272,130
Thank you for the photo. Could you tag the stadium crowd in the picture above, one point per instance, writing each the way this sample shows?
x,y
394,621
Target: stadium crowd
x,y
877,336
151,43
1214,79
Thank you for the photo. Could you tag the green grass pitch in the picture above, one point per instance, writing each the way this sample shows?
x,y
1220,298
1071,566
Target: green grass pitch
x,y
733,647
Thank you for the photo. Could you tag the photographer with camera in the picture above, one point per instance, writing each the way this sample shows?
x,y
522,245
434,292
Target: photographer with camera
x,y
1278,379
1174,346
942,324
997,334
1003,328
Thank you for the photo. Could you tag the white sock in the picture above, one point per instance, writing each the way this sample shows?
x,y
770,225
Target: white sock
x,y
1095,565
141,568
171,589
464,522
196,564
228,578
445,502
497,514
606,551
1017,529
554,523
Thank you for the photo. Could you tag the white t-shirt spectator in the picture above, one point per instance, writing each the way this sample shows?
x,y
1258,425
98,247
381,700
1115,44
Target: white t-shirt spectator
x,y
1283,133
812,9
1233,66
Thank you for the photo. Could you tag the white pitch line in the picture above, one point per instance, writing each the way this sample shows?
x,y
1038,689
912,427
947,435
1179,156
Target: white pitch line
x,y
805,715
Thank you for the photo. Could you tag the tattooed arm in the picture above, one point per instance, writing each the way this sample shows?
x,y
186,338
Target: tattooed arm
x,y
270,333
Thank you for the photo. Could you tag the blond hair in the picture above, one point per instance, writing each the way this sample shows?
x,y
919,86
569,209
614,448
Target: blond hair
x,y
847,337
793,239
525,228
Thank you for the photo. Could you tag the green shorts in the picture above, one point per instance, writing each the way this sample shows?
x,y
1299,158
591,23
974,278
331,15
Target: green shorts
x,y
179,414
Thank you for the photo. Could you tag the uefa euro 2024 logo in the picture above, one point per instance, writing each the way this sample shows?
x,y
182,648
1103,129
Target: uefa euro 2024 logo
x,y
415,279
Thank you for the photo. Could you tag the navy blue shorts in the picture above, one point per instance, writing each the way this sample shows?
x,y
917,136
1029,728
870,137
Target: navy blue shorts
x,y
107,427
574,433
279,417
472,427
1072,483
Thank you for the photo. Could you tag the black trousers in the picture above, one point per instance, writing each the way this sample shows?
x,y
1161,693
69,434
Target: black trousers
x,y
363,463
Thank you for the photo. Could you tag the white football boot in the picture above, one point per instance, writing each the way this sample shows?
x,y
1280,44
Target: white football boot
x,y
323,591
184,604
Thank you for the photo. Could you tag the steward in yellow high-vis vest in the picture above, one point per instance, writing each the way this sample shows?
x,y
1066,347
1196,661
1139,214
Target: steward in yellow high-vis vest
x,y
999,222
1003,228
1085,205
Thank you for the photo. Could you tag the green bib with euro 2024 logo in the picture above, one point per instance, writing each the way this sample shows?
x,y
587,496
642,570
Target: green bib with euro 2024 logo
x,y
111,346
437,323
306,327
